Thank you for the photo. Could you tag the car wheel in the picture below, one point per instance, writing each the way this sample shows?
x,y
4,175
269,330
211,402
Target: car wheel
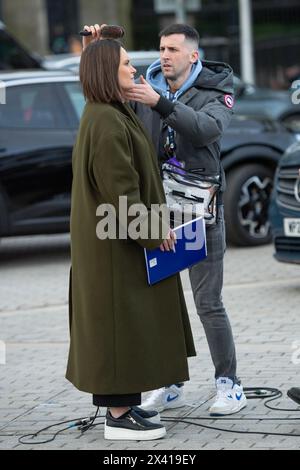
x,y
246,204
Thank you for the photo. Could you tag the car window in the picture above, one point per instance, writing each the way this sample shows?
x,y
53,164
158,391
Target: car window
x,y
76,97
31,106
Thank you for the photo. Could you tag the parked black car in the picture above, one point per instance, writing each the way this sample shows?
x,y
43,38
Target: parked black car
x,y
38,126
285,207
250,150
281,105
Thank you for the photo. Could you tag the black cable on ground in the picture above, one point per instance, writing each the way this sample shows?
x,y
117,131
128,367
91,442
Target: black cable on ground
x,y
262,392
47,440
269,393
231,430
79,423
87,426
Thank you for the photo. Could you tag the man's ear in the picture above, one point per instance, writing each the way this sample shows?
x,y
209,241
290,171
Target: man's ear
x,y
194,56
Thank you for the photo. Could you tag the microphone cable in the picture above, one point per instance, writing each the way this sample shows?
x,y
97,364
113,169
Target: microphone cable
x,y
265,393
82,424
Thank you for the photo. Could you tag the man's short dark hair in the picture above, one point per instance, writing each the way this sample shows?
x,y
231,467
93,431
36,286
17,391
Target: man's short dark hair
x,y
189,32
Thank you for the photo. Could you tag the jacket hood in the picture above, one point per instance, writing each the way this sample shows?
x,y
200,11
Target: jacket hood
x,y
215,75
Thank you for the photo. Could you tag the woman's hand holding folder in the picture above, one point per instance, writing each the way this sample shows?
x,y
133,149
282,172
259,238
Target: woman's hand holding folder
x,y
169,243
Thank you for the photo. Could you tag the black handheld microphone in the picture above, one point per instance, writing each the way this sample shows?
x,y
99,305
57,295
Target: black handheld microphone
x,y
108,31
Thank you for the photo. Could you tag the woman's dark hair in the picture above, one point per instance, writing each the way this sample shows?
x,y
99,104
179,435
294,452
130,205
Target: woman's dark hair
x,y
98,71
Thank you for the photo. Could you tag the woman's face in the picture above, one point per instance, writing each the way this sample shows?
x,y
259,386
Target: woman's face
x,y
126,71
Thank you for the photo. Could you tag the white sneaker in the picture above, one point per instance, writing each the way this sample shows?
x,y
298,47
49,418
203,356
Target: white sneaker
x,y
230,398
164,398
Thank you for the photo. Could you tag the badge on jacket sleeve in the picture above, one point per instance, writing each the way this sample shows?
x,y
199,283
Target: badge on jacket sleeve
x,y
229,101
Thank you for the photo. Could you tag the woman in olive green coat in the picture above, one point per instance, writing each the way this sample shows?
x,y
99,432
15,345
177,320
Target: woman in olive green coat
x,y
126,337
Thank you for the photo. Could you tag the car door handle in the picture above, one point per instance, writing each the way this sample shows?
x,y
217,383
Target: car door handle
x,y
2,150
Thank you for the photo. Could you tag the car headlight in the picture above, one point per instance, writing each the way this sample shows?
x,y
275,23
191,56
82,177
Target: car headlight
x,y
294,147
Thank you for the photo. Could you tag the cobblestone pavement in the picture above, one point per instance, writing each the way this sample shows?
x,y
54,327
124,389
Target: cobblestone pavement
x,y
262,297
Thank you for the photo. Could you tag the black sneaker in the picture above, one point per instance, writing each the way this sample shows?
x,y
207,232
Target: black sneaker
x,y
294,394
131,427
151,415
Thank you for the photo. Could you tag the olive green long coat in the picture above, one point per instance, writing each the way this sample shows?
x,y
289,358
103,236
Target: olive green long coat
x,y
126,337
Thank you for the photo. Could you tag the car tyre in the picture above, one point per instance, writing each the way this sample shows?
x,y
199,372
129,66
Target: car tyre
x,y
246,204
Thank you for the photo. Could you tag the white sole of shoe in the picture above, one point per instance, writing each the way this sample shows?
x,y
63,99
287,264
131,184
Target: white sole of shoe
x,y
238,408
121,434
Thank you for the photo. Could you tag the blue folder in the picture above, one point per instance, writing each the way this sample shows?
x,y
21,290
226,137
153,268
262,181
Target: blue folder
x,y
189,249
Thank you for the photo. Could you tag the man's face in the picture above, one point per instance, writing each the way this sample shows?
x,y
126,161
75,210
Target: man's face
x,y
176,56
